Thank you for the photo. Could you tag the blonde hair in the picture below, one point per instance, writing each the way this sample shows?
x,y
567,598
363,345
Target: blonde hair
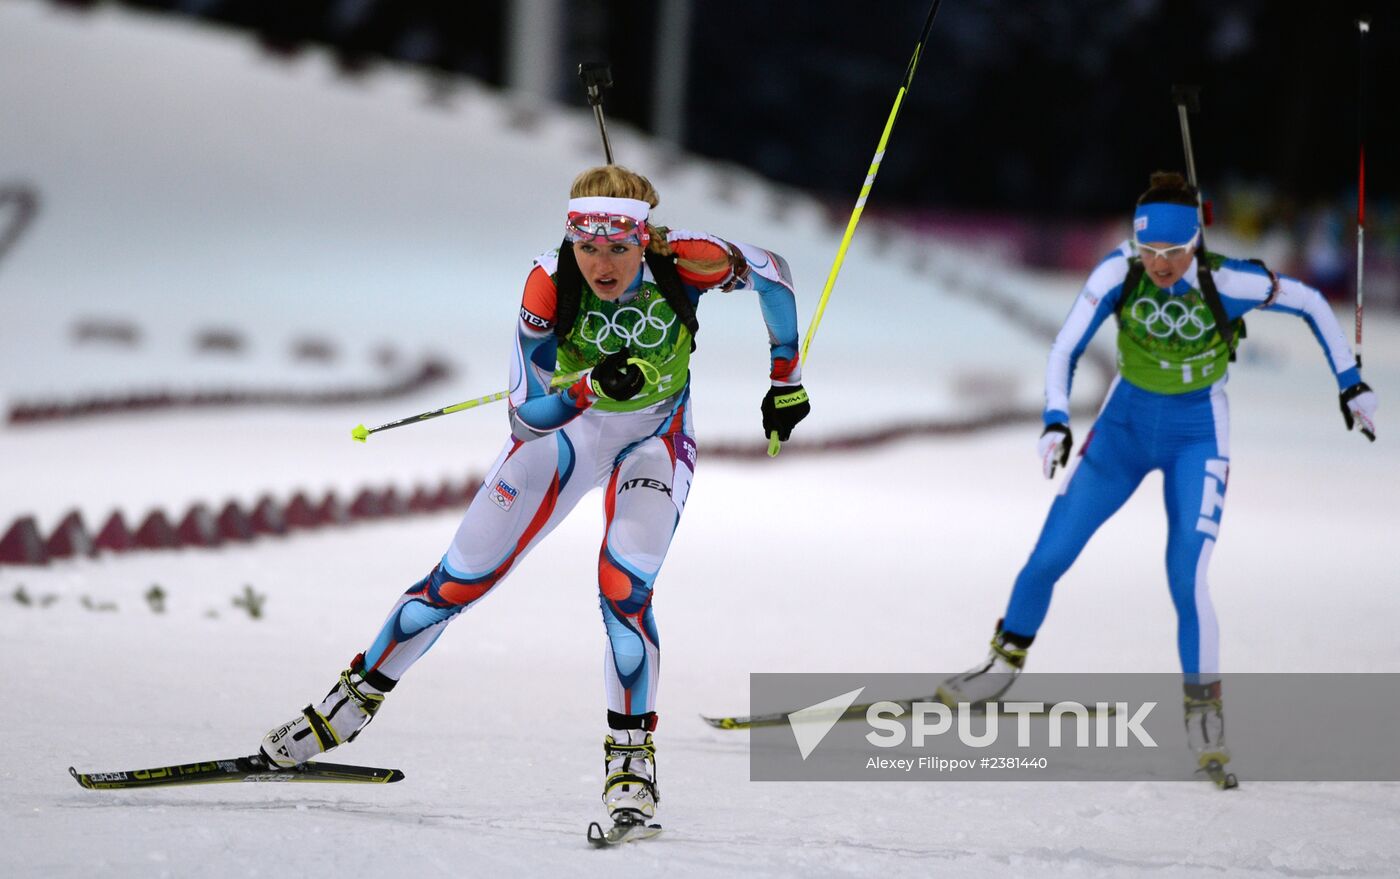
x,y
616,181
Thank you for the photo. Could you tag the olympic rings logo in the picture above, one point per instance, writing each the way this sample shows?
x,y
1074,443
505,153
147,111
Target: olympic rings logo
x,y
1173,317
629,325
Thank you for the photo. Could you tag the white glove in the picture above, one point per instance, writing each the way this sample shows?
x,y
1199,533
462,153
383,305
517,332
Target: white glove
x,y
1055,444
1359,404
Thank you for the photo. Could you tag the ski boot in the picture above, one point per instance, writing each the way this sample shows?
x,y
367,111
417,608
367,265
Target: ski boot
x,y
629,788
1205,730
347,708
986,681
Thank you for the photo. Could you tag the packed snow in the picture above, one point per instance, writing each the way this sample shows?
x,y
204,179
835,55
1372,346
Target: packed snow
x,y
188,182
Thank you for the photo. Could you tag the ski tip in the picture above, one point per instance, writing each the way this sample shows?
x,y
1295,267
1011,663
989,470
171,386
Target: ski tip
x,y
620,834
82,778
722,722
394,775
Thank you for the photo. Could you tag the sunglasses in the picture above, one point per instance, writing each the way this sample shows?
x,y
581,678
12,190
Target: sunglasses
x,y
615,228
1167,252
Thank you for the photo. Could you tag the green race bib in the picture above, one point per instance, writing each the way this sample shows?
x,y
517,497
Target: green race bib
x,y
1169,343
647,326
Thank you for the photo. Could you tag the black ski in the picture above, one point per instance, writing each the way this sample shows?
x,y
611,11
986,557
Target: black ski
x,y
859,709
252,768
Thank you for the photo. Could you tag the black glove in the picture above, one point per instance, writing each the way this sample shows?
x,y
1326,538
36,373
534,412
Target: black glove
x,y
615,378
782,408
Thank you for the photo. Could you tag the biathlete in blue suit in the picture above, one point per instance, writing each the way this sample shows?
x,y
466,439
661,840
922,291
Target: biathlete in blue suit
x,y
1179,312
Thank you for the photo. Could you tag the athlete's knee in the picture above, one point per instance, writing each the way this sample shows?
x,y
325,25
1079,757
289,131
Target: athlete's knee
x,y
1046,565
443,589
1187,568
1187,614
1186,596
629,622
1212,498
618,583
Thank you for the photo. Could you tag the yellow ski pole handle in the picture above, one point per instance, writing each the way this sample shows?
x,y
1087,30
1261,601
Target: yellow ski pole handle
x,y
795,398
649,372
359,433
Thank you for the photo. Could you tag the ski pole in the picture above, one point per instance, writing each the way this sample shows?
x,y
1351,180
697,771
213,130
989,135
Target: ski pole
x,y
597,76
865,188
773,444
360,433
1188,100
1363,26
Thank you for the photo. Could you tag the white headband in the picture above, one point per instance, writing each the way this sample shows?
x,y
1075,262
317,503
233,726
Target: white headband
x,y
605,204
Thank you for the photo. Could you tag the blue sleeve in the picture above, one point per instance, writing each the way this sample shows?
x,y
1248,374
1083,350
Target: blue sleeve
x,y
536,409
779,307
541,409
771,278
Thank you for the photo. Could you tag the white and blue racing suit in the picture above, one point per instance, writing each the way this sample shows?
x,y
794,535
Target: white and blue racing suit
x,y
1148,424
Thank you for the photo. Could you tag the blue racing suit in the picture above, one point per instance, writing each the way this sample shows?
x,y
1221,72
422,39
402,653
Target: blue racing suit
x,y
1165,410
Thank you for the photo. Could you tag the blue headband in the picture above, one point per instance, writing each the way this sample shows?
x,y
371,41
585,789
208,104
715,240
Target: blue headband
x,y
1159,221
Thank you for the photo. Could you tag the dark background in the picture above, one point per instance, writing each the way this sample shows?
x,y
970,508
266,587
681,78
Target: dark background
x,y
1052,109
1036,123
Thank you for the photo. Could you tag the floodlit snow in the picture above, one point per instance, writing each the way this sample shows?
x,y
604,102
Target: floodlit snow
x,y
188,183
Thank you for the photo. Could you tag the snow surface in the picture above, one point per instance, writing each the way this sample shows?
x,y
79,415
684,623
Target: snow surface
x,y
189,182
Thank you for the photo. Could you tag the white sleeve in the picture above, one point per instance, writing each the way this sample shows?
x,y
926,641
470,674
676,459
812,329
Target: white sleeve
x,y
1246,285
1095,302
1295,297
